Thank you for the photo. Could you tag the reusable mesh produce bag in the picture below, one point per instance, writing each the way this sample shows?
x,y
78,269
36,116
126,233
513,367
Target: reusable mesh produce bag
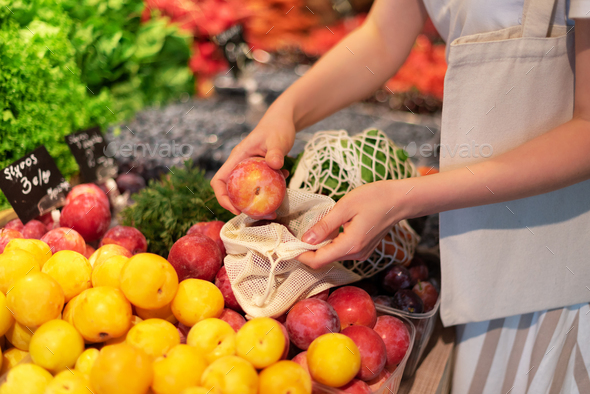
x,y
260,262
333,163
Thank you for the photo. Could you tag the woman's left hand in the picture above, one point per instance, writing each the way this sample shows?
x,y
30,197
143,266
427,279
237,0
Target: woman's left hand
x,y
367,213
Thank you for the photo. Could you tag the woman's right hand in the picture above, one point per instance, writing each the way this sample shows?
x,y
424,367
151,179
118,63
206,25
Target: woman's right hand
x,y
272,139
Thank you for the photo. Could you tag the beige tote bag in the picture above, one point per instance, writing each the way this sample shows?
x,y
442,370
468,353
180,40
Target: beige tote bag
x,y
502,89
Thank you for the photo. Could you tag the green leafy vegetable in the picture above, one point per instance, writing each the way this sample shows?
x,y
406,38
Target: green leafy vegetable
x,y
140,63
167,208
73,64
379,159
41,94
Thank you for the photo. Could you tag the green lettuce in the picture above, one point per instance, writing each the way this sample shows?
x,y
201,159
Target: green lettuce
x,y
67,65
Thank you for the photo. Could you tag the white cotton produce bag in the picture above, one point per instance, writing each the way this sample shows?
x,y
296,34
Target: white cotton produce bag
x,y
260,263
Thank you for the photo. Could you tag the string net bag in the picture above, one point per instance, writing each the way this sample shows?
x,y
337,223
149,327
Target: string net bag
x,y
260,263
334,163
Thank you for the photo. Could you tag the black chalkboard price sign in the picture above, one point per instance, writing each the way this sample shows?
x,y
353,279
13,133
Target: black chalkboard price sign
x,y
88,148
235,49
34,185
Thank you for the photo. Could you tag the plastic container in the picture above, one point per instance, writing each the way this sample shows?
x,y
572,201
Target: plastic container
x,y
390,386
424,324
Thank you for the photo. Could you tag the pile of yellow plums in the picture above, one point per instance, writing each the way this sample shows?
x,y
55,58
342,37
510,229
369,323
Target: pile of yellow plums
x,y
106,325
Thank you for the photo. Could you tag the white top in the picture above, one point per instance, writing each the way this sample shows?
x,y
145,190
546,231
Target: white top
x,y
457,18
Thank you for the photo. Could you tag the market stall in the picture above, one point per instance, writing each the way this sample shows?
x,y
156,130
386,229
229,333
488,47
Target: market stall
x,y
120,272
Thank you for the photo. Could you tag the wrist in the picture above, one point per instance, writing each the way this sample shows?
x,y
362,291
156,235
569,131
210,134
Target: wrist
x,y
405,204
282,108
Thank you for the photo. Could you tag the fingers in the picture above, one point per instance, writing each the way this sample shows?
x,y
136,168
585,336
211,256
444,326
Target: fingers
x,y
285,173
346,246
270,216
220,189
335,251
274,158
219,182
329,223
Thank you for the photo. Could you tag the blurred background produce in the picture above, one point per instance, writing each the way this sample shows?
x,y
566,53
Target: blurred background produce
x,y
175,85
70,65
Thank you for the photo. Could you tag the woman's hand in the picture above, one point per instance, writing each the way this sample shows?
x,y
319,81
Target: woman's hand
x,y
273,138
367,213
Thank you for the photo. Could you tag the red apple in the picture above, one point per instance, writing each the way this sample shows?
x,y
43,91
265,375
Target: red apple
x,y
88,216
282,318
356,386
309,319
354,307
222,282
128,237
89,251
301,359
287,340
6,234
256,189
63,238
182,332
372,349
322,295
34,229
88,189
15,224
377,382
396,337
233,318
418,273
195,256
427,292
210,229
293,351
46,219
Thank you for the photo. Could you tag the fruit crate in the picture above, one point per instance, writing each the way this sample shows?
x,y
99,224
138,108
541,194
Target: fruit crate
x,y
391,385
424,325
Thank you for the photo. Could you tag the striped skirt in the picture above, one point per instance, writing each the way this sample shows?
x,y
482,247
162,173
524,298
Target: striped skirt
x,y
536,353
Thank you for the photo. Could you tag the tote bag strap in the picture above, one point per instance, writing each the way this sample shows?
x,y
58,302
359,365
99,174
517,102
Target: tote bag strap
x,y
536,17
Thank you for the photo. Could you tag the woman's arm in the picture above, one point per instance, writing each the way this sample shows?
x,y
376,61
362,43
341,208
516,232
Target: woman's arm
x,y
351,71
540,170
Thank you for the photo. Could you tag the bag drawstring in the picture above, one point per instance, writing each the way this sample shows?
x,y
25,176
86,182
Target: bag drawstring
x,y
260,300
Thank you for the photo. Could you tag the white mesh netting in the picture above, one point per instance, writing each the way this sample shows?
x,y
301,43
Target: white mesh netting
x,y
333,163
260,264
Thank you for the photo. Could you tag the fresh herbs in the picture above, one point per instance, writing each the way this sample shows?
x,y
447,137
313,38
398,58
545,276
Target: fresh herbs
x,y
167,208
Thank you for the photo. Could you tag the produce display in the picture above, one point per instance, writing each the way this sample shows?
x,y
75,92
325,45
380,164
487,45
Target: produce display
x,y
38,75
411,292
413,289
145,300
166,209
128,321
71,65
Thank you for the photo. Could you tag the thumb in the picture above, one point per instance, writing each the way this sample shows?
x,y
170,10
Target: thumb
x,y
274,158
325,227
